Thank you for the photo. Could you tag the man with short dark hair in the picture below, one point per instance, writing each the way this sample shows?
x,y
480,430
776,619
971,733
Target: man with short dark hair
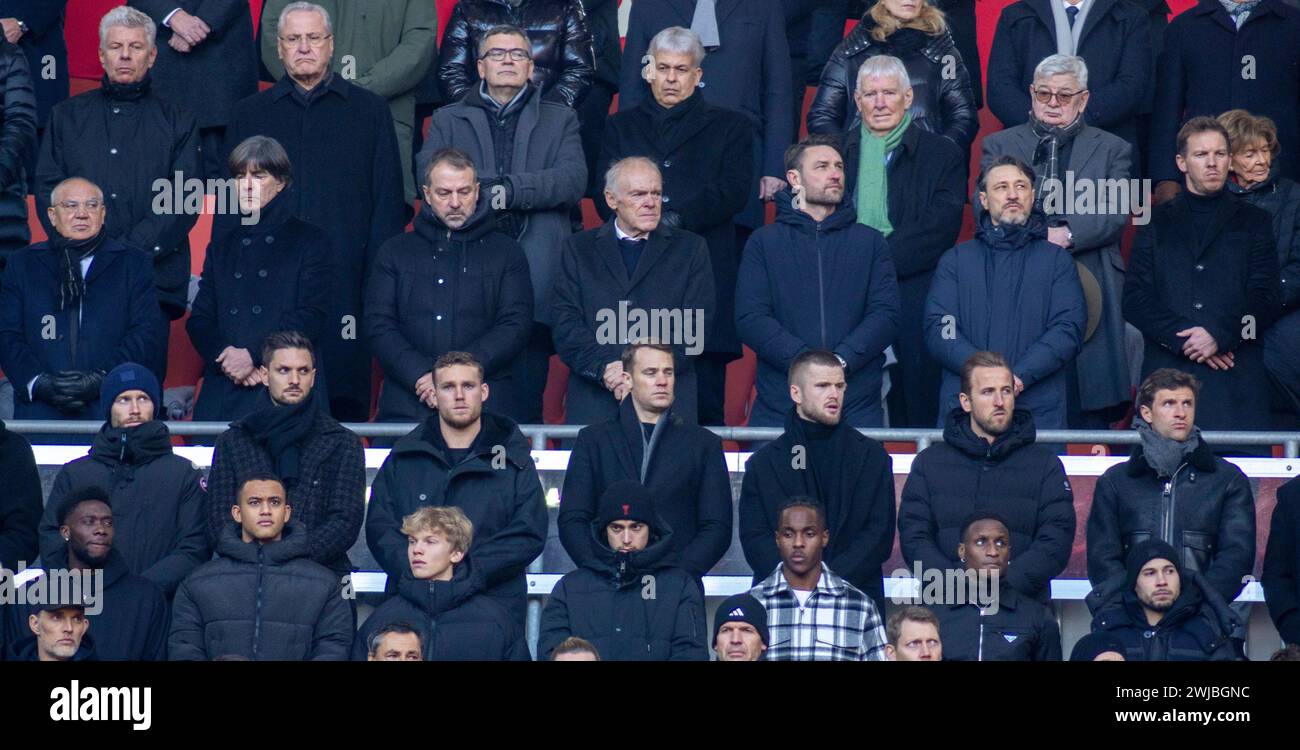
x,y
813,614
291,433
473,459
394,642
987,460
1175,489
129,616
1011,291
819,455
817,279
262,598
1203,285
913,634
682,464
740,629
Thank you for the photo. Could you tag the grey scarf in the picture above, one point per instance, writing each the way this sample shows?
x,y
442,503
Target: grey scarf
x,y
1163,454
1239,12
1051,140
705,23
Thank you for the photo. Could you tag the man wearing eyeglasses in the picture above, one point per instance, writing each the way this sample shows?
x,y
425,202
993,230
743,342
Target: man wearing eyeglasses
x,y
1068,156
347,181
531,170
73,308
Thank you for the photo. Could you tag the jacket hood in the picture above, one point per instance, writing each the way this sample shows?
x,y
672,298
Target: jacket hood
x,y
1011,236
114,567
436,597
85,652
131,446
479,224
626,568
1196,597
495,430
844,215
958,433
292,545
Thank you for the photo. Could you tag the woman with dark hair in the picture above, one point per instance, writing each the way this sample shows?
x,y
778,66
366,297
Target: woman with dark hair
x,y
268,271
917,33
1254,176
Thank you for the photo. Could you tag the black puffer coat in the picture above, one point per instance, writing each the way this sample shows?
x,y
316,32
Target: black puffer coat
x,y
1196,628
264,602
942,105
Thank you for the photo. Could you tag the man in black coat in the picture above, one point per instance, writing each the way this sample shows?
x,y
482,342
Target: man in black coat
x,y
680,463
441,596
1112,36
206,63
262,599
985,619
748,69
72,309
321,463
915,181
634,278
1213,62
471,459
704,154
17,143
454,284
20,503
627,598
1175,489
1202,286
1281,577
822,457
158,497
348,178
1163,612
988,461
62,634
817,279
139,148
129,612
36,26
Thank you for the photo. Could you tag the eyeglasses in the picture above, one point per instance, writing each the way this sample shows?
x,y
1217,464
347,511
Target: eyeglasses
x,y
71,206
1064,97
315,40
497,54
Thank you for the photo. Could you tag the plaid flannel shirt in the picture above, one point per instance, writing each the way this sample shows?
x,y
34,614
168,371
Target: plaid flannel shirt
x,y
838,622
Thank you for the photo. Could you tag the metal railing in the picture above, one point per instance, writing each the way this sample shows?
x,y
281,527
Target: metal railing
x,y
539,434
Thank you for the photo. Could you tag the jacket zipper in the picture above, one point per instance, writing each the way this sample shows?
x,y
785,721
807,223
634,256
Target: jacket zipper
x,y
1168,504
980,654
821,284
257,606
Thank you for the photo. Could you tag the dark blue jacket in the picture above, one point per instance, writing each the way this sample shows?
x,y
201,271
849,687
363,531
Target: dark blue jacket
x,y
804,285
1282,563
1018,296
44,19
120,320
1201,72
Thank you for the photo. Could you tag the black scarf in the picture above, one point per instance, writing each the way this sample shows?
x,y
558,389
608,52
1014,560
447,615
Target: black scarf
x,y
306,96
282,430
124,448
1009,236
1052,140
125,92
904,40
70,253
668,121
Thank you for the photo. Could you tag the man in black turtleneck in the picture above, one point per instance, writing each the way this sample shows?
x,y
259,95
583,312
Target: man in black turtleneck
x,y
1202,286
454,284
157,496
822,457
125,139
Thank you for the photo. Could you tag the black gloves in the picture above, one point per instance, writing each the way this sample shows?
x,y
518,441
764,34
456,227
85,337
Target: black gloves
x,y
69,391
498,192
45,389
670,218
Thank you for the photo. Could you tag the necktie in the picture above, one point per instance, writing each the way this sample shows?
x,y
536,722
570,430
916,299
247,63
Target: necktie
x,y
705,23
1072,13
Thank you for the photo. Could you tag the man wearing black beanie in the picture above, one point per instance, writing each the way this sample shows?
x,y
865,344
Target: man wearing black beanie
x,y
740,629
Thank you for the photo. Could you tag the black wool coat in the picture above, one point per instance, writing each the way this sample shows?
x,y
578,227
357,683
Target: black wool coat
x,y
20,503
1281,577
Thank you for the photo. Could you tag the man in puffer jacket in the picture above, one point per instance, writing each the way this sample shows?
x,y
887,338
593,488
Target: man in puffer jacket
x,y
441,597
263,599
1166,612
628,601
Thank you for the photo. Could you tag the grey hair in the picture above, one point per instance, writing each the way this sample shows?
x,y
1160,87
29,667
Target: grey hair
x,y
884,66
504,29
680,40
614,175
1055,65
128,18
54,194
304,6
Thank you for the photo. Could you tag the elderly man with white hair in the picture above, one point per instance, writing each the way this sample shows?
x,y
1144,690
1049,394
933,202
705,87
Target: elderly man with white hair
x,y
636,278
909,184
125,138
703,152
1070,156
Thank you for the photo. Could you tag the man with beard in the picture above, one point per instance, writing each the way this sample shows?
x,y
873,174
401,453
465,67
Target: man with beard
x,y
1203,285
131,619
62,634
817,279
1011,291
159,530
822,457
475,460
988,461
291,433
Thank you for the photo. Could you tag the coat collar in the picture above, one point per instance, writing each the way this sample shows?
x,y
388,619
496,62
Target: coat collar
x,y
1100,8
827,583
1202,459
607,248
1186,227
284,87
697,119
1215,10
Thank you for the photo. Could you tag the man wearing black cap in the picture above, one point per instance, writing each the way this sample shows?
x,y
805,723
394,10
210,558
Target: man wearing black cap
x,y
158,496
1098,647
628,600
130,615
740,629
1166,612
60,632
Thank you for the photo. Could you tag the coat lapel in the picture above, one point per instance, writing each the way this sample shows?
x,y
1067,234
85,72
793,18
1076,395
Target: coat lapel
x,y
1085,145
104,258
528,120
629,448
1099,9
655,247
478,123
610,255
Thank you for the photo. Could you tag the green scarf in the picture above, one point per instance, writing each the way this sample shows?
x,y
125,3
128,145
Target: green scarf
x,y
873,191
